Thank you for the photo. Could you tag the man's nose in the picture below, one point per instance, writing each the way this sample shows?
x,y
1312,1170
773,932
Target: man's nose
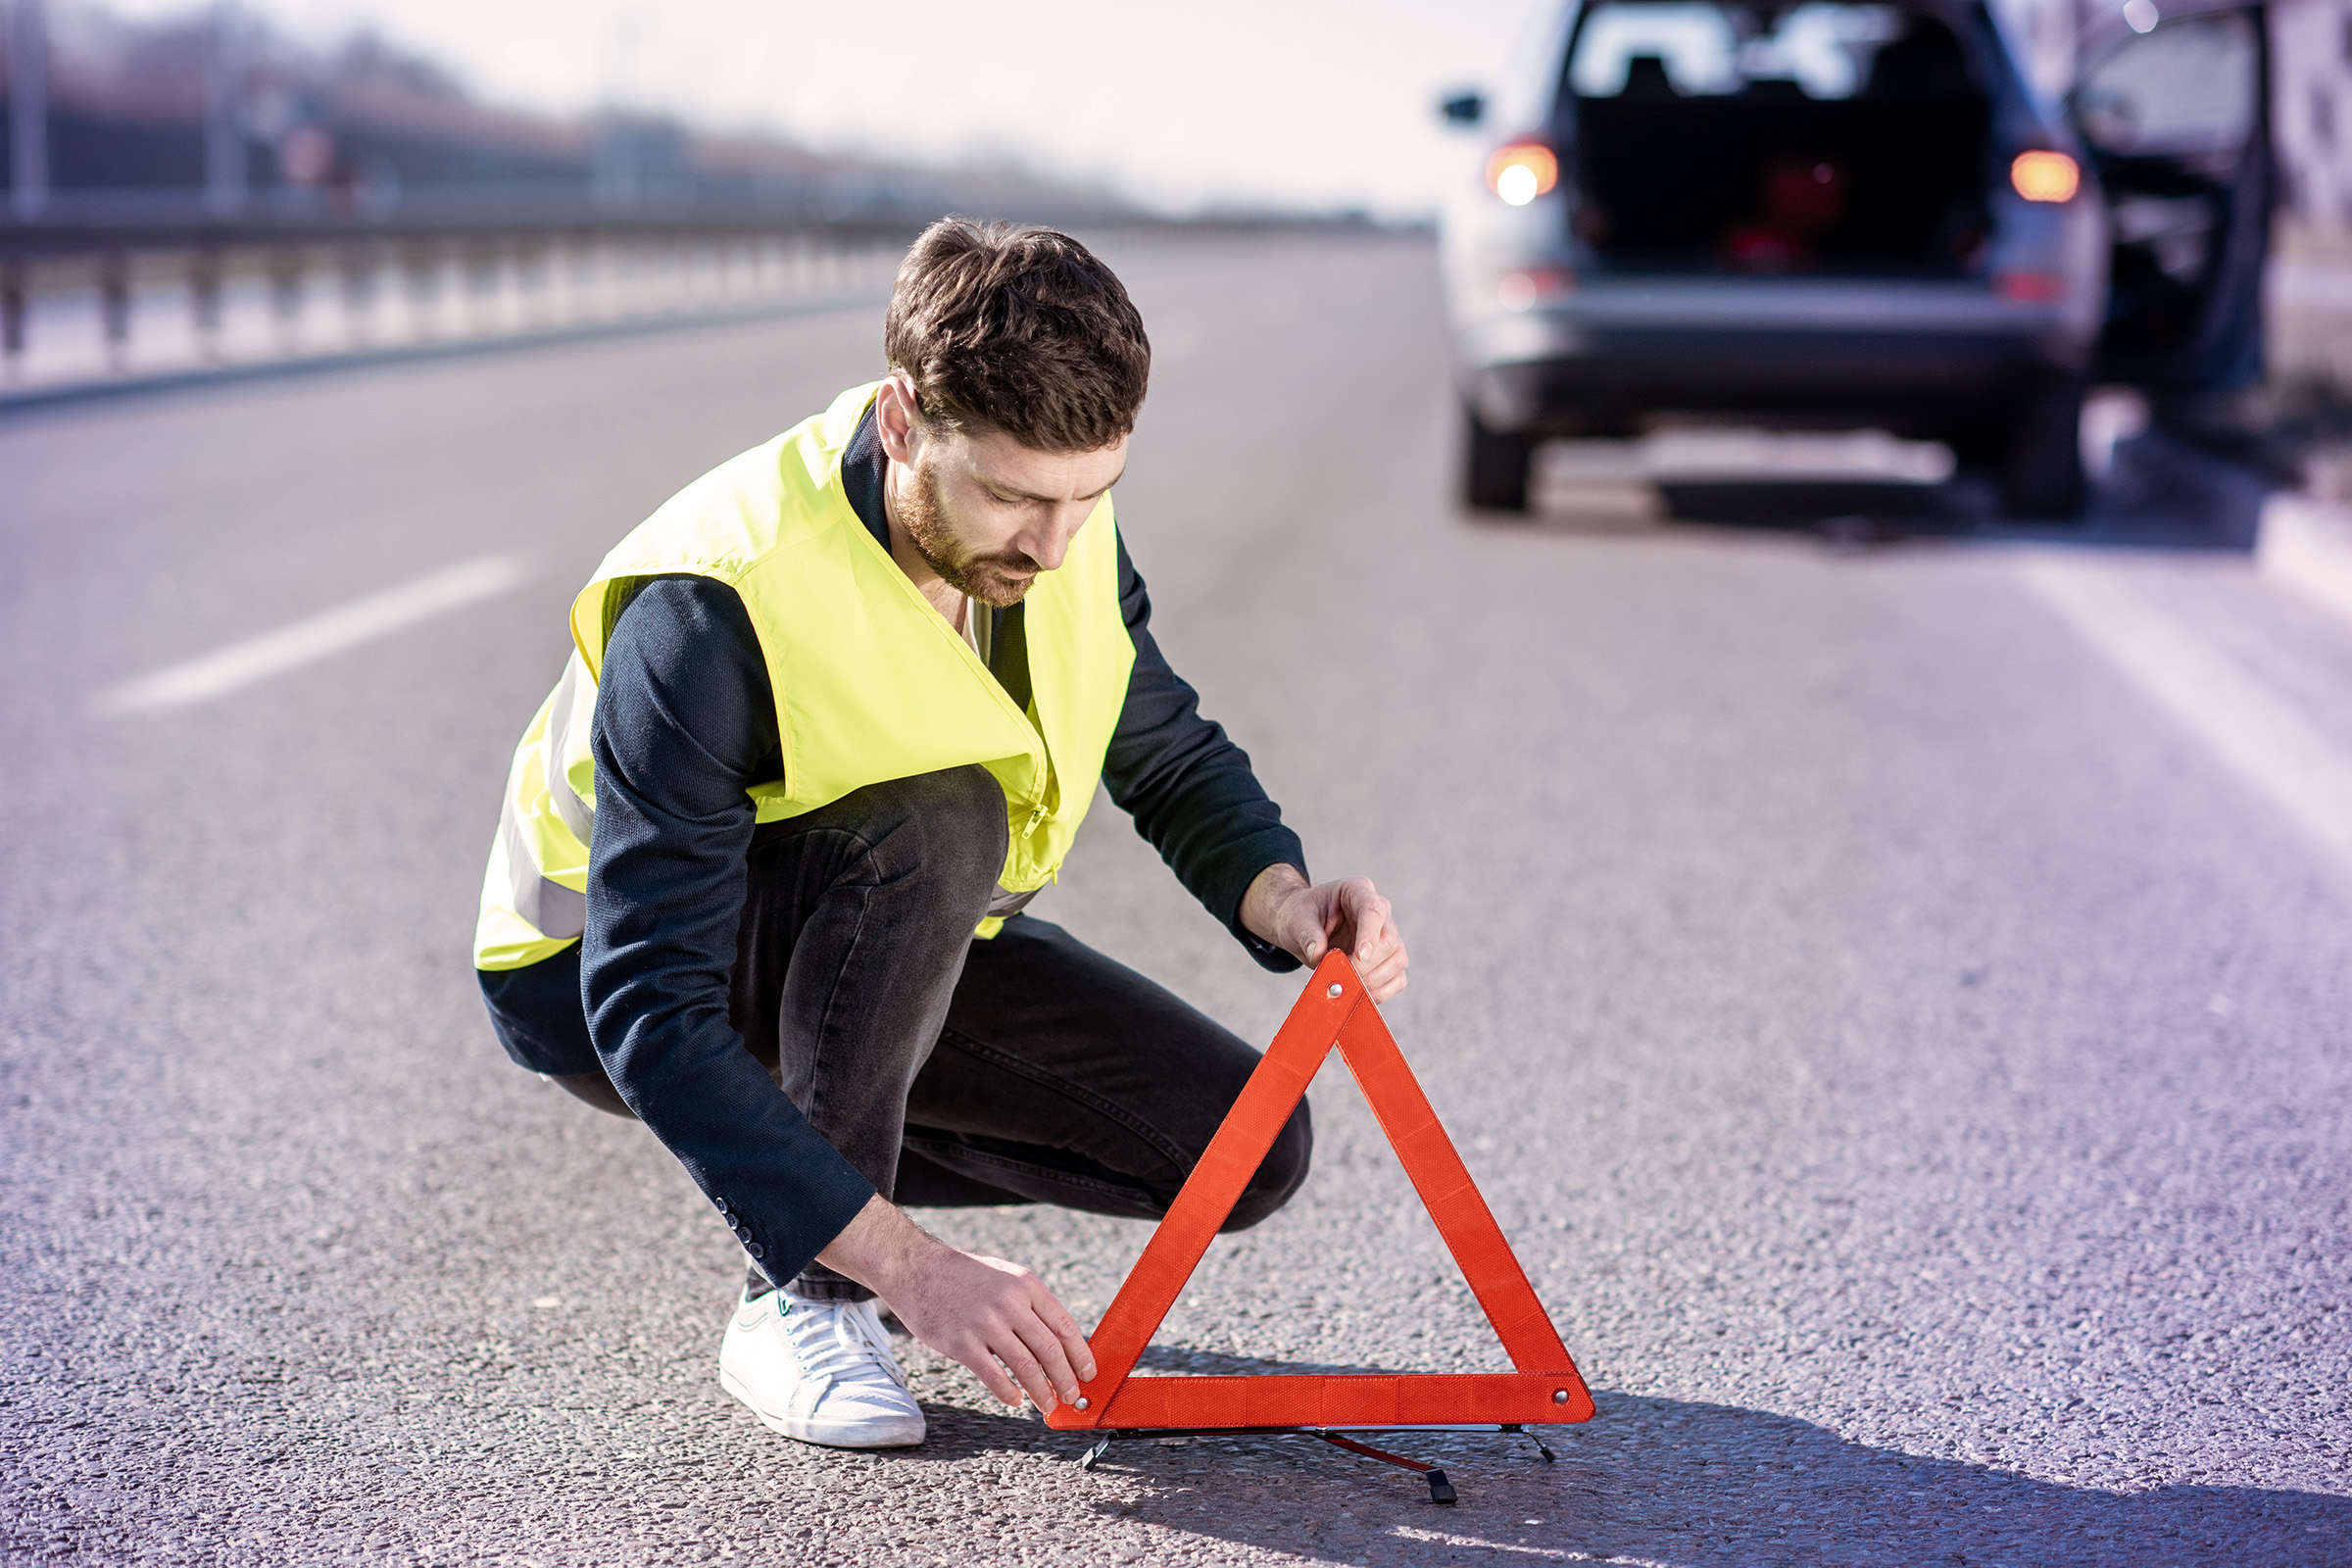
x,y
1049,542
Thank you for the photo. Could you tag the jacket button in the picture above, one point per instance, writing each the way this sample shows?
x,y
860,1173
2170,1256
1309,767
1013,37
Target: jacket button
x,y
757,1250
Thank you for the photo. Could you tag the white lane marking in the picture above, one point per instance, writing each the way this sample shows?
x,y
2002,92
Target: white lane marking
x,y
2252,729
242,665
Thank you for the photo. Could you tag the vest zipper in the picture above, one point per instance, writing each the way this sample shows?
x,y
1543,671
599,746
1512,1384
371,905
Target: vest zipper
x,y
1038,810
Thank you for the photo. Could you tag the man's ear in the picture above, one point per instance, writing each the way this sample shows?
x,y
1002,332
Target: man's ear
x,y
896,418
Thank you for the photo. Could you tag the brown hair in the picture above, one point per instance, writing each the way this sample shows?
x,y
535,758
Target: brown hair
x,y
1017,329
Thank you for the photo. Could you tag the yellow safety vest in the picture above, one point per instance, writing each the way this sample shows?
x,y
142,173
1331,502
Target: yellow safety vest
x,y
871,683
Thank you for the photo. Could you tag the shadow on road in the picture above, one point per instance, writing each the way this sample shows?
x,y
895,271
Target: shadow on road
x,y
1652,1481
1666,1481
2160,493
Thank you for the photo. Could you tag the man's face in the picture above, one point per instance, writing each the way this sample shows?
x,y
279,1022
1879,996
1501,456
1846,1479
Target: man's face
x,y
988,513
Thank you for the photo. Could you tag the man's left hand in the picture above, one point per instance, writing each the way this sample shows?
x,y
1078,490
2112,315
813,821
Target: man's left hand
x,y
1308,921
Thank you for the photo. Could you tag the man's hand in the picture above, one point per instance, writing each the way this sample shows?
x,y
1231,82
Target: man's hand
x,y
995,1317
1307,921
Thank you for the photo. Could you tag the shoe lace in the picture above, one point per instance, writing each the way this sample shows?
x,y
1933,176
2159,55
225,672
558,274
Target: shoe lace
x,y
842,1342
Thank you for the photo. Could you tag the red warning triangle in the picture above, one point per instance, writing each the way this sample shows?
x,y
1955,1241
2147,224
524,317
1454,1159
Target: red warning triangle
x,y
1545,1386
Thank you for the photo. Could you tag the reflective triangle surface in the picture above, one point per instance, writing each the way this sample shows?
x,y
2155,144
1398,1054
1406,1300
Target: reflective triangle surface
x,y
1334,1012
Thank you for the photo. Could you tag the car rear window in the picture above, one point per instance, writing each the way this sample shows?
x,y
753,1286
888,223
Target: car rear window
x,y
1695,48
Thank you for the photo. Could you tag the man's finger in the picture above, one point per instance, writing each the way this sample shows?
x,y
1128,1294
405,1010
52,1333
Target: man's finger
x,y
1065,1328
1386,970
992,1375
1307,935
1008,1344
1371,921
1045,1347
1385,977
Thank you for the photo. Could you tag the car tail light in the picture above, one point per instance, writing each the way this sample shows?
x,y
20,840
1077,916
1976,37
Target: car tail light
x,y
1523,287
2031,288
1522,170
2045,176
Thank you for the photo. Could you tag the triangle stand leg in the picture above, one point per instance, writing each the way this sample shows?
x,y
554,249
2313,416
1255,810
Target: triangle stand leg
x,y
1440,1490
1541,1446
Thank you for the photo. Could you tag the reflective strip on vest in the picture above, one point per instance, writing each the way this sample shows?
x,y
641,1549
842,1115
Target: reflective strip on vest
x,y
557,913
572,709
554,909
527,913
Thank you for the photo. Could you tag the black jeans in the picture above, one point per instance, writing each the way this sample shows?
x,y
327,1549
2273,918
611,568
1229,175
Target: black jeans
x,y
953,1071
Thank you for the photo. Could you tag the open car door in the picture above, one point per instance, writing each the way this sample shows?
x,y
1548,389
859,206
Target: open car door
x,y
2173,106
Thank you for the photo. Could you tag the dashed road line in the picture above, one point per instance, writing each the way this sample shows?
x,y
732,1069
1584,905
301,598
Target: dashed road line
x,y
243,664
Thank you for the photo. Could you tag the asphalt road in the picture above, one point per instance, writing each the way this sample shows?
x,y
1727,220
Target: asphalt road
x,y
1894,996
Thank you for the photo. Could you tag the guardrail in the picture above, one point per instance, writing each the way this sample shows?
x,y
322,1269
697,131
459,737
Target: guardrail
x,y
93,295
100,293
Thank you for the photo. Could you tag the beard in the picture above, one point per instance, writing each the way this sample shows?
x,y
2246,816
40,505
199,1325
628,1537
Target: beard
x,y
999,581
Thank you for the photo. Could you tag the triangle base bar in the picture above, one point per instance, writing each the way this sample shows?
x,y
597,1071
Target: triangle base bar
x,y
1334,1012
1404,1399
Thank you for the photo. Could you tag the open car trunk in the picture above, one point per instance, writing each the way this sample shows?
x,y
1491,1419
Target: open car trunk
x,y
1849,139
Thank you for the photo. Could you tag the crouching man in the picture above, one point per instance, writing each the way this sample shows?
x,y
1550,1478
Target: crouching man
x,y
833,717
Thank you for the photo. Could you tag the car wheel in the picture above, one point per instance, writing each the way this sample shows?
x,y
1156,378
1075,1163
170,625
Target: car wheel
x,y
1494,465
2041,463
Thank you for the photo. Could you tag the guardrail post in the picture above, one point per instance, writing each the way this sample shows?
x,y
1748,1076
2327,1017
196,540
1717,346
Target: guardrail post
x,y
357,264
533,302
204,301
470,259
285,295
420,261
477,276
12,317
569,269
114,308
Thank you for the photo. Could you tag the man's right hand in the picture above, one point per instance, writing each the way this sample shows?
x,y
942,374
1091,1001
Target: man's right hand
x,y
994,1317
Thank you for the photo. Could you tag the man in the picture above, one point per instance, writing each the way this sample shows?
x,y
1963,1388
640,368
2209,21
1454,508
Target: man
x,y
833,717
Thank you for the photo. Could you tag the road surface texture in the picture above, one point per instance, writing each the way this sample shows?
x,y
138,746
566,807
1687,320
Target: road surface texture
x,y
1893,995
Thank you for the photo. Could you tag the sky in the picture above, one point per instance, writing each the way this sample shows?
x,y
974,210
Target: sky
x,y
1327,103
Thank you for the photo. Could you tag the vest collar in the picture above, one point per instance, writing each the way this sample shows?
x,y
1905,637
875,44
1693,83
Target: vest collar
x,y
865,472
864,469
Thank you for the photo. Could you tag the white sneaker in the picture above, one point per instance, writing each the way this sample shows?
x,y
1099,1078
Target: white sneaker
x,y
819,1371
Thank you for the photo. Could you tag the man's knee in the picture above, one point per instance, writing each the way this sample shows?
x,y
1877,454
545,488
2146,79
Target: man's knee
x,y
1279,1175
956,821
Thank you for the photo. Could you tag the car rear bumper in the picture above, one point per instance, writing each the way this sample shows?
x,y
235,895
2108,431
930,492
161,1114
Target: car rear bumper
x,y
1894,356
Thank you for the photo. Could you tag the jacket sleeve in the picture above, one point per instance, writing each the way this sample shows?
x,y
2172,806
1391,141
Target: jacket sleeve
x,y
1189,788
684,713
